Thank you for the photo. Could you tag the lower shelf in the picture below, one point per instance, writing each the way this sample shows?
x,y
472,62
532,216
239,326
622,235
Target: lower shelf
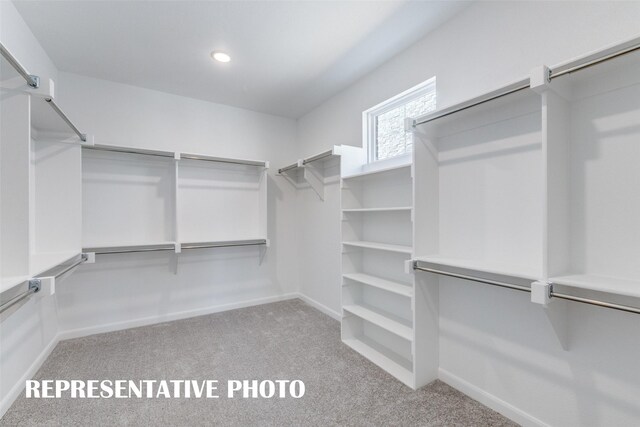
x,y
377,282
382,319
625,287
380,246
395,365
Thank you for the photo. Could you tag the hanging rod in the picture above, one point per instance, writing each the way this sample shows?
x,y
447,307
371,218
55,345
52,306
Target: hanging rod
x,y
507,90
203,245
128,150
586,62
222,160
286,168
552,293
318,157
574,66
130,249
35,284
32,81
82,136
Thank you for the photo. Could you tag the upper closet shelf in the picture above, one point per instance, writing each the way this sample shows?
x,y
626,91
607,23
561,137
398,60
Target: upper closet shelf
x,y
313,169
177,155
610,285
173,246
515,271
46,116
375,172
317,159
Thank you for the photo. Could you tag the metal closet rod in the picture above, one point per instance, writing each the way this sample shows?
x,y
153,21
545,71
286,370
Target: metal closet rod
x,y
552,294
286,168
32,81
168,154
204,245
82,136
552,75
171,247
307,160
318,157
35,284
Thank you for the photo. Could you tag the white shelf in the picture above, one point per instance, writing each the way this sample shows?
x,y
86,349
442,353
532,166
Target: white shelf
x,y
41,262
380,246
390,209
12,281
377,171
128,245
609,285
522,272
386,321
387,285
385,359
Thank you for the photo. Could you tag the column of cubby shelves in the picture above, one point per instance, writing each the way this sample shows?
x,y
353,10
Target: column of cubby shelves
x,y
377,292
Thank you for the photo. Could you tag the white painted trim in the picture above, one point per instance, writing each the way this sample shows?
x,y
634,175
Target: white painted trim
x,y
17,388
152,320
508,410
321,307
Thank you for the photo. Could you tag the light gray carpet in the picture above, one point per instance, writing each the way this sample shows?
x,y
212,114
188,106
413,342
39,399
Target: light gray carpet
x,y
285,340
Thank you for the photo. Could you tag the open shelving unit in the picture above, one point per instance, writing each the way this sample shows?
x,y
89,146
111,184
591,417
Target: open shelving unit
x,y
593,132
40,206
377,292
481,187
316,170
169,201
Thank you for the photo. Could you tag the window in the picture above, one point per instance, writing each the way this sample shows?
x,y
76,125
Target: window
x,y
384,124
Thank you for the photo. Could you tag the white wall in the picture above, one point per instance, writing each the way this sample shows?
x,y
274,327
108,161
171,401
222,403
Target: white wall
x,y
494,344
27,331
132,289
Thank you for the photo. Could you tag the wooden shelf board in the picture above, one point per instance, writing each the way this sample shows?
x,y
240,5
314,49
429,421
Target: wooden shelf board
x,y
380,246
611,285
387,285
385,359
377,171
385,320
483,267
12,281
41,262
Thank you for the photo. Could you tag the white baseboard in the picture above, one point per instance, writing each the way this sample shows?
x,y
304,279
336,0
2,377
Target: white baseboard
x,y
17,388
323,308
151,320
487,399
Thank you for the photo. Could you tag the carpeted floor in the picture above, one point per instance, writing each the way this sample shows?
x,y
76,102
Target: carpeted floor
x,y
285,340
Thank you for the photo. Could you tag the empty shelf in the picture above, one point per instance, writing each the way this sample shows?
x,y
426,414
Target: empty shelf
x,y
380,246
118,249
41,262
387,321
390,209
377,171
224,243
511,270
385,359
387,285
610,285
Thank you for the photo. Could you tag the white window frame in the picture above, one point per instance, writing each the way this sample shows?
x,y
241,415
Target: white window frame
x,y
369,116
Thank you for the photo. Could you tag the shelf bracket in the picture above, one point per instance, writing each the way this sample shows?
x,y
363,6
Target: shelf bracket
x,y
555,311
315,179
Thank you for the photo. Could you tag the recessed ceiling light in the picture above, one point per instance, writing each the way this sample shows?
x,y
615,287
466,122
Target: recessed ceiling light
x,y
220,56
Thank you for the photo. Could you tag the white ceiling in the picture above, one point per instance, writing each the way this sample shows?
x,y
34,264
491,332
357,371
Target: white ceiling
x,y
287,56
